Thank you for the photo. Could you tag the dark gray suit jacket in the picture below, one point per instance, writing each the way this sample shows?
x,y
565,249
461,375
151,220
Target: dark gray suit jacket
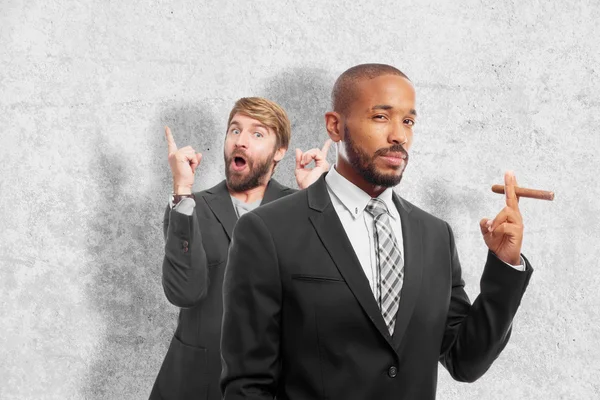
x,y
300,320
195,258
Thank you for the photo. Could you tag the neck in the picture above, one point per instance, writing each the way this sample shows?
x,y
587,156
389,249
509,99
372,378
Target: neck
x,y
254,194
346,170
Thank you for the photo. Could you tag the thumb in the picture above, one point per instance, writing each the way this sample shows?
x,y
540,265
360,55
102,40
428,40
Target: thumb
x,y
196,162
484,224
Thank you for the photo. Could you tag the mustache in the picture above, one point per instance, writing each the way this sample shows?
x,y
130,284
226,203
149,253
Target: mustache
x,y
397,148
237,153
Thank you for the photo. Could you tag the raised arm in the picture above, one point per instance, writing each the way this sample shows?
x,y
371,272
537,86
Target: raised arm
x,y
476,334
185,271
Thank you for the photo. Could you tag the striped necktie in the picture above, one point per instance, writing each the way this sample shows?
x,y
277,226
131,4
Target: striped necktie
x,y
389,262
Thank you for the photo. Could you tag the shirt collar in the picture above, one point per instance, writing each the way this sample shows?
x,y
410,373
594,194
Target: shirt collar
x,y
353,198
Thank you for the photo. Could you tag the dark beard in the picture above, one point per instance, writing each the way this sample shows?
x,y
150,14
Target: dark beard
x,y
240,183
364,165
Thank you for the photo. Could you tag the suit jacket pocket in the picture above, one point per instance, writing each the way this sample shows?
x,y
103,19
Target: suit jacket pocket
x,y
317,278
183,374
214,240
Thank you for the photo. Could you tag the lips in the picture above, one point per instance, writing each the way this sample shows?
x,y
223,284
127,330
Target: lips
x,y
395,155
394,159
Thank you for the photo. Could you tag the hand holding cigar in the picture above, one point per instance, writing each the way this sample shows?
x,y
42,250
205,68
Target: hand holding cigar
x,y
503,235
525,192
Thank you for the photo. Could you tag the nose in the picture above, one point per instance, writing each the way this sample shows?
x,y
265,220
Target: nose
x,y
399,134
242,139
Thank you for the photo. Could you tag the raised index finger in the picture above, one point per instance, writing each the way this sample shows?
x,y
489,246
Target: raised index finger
x,y
510,181
325,147
170,141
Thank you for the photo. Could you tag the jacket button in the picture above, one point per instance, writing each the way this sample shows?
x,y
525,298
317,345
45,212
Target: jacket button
x,y
184,244
392,372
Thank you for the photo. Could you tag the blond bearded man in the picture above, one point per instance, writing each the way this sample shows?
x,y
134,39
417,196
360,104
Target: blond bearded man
x,y
198,229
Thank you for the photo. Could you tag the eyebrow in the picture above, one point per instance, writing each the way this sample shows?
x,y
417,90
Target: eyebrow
x,y
236,123
388,107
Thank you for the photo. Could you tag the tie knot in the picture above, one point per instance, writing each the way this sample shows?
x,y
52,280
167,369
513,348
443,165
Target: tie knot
x,y
376,207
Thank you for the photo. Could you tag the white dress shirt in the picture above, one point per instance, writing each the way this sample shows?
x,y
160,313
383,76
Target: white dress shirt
x,y
349,202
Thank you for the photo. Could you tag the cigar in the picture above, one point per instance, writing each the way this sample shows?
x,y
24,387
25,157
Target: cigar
x,y
524,192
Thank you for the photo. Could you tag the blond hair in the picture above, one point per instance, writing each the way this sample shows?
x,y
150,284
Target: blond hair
x,y
268,113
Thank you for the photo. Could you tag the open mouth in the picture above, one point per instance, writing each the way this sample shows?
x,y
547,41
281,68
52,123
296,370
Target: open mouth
x,y
239,163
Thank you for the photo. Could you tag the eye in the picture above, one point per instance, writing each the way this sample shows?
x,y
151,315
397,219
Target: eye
x,y
409,122
258,134
235,131
380,117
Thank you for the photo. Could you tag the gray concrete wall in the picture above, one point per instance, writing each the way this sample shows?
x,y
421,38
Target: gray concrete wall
x,y
86,87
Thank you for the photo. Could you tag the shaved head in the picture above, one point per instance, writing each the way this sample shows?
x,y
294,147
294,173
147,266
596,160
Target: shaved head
x,y
344,88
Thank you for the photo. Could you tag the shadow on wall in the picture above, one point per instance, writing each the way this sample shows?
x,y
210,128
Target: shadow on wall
x,y
126,243
305,95
450,203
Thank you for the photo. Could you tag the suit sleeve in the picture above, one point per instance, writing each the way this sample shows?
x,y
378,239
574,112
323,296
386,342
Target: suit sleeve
x,y
184,268
252,296
476,334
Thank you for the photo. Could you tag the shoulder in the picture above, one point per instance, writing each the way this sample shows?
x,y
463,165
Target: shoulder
x,y
280,189
286,191
219,188
276,219
284,211
293,200
428,219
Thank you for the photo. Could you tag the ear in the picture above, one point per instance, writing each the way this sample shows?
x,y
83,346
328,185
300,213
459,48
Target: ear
x,y
279,154
333,124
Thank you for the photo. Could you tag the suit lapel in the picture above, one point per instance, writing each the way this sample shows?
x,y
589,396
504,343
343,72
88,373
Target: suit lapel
x,y
274,191
333,236
413,263
219,201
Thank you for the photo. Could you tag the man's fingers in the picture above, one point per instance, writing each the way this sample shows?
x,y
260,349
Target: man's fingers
x,y
508,229
187,155
484,224
325,147
510,181
515,186
308,156
195,162
187,150
172,147
318,155
298,158
507,214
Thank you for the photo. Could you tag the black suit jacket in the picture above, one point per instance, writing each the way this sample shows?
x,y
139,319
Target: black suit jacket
x,y
301,322
195,257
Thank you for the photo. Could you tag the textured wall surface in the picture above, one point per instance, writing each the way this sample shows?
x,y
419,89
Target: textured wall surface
x,y
86,87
